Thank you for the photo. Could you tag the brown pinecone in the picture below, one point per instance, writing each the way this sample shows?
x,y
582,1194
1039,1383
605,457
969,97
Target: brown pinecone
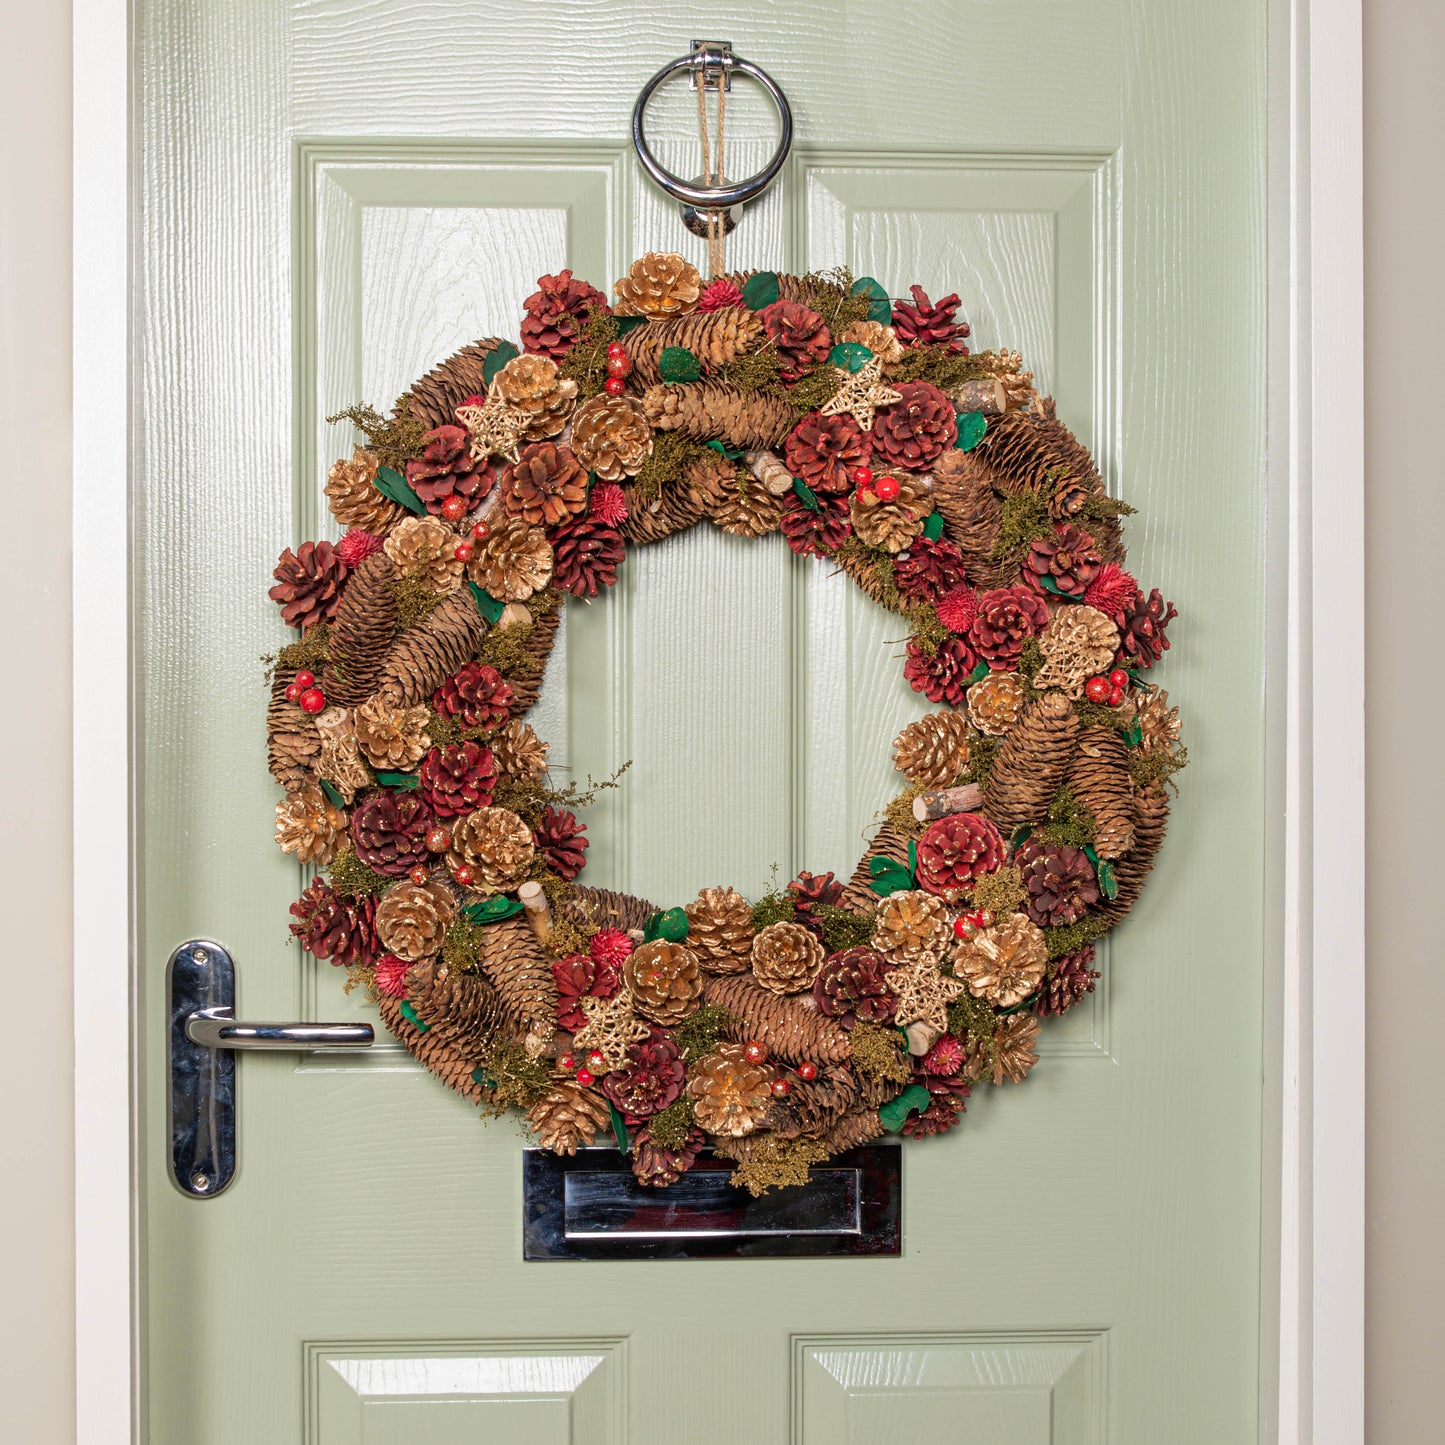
x,y
677,506
912,432
813,1106
562,842
476,695
799,336
881,340
1032,763
910,927
729,1094
361,633
447,468
353,498
1007,618
308,584
790,1028
293,744
422,657
514,562
1101,783
656,1166
1013,1048
458,778
532,385
1078,644
568,1116
434,399
537,647
929,323
746,508
496,845
929,571
890,841
1151,819
412,919
1003,964
611,436
786,958
310,826
714,337
545,485
933,751
391,739
1060,882
389,833
852,1131
463,1018
660,284
720,930
602,908
425,548
1070,978
891,525
665,980
706,411
512,958
586,555
850,986
822,452
520,753
972,513
553,312
340,762
1064,563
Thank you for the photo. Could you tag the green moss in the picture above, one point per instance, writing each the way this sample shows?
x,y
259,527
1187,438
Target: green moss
x,y
505,648
1031,658
776,1163
981,753
1070,824
773,907
586,363
311,652
970,1017
669,459
1000,891
1098,508
351,878
670,1128
900,812
1101,715
829,293
878,1052
929,632
937,366
1024,517
1154,769
883,567
415,598
393,441
698,1034
518,1082
842,928
462,944
568,938
1072,936
816,389
756,372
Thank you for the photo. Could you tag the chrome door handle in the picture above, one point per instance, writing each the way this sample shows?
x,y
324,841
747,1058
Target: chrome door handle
x,y
215,1028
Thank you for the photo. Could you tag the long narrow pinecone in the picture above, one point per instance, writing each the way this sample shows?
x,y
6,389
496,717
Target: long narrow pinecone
x,y
1151,820
438,394
527,687
889,842
513,959
602,908
361,633
852,1131
814,1106
863,572
293,745
705,410
680,504
1100,781
789,1027
462,1010
1032,763
452,1066
714,337
964,497
423,657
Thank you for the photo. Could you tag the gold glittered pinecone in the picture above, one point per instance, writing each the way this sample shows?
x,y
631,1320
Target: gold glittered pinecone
x,y
1101,782
720,930
532,384
665,981
891,525
496,845
912,926
706,410
1079,643
1032,763
519,752
659,284
933,751
391,739
611,436
1012,1053
353,497
568,1116
514,562
994,703
426,547
1003,964
714,337
786,957
729,1093
1158,723
412,919
881,340
746,507
309,825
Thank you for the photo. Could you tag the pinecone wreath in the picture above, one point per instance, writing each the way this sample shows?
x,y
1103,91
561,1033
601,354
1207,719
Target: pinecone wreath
x,y
780,1029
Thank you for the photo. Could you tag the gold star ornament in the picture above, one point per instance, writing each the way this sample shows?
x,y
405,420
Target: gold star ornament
x,y
611,1028
924,994
495,427
862,393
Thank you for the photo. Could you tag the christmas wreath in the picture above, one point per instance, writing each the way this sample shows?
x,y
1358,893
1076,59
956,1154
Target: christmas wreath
x,y
783,1030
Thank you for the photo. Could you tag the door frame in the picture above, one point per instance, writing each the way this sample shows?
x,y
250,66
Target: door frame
x,y
1313,1206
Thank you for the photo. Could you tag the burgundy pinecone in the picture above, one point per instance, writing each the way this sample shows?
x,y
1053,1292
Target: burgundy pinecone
x,y
1142,635
1060,882
1007,616
447,468
476,695
850,986
928,571
562,841
822,451
330,926
815,534
389,832
799,336
553,312
585,556
956,851
815,890
947,1095
941,675
915,431
308,583
458,778
658,1167
928,323
650,1080
577,977
1068,560
1070,978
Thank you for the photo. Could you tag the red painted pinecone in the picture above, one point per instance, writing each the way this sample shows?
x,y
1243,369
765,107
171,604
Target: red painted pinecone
x,y
929,323
815,890
545,485
1069,560
1142,633
389,832
586,554
800,337
308,583
447,468
458,778
330,926
912,433
850,986
657,1166
1070,978
1060,883
477,695
815,534
822,451
928,571
941,675
1006,617
553,311
651,1079
562,842
578,977
955,852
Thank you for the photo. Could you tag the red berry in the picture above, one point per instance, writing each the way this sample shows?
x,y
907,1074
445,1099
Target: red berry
x,y
615,386
616,348
781,1088
754,1052
807,1069
482,531
1116,696
887,488
438,840
597,1061
567,1062
463,552
585,1077
984,918
294,691
862,476
303,680
454,507
462,873
1118,678
1097,689
313,700
418,875
619,365
962,928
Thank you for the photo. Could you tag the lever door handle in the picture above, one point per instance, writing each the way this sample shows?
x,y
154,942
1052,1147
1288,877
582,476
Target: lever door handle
x,y
215,1028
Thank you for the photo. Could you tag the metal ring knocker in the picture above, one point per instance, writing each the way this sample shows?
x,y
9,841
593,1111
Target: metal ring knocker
x,y
713,63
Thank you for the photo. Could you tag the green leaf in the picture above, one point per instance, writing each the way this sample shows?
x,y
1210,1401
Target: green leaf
x,y
413,1018
1108,882
971,427
406,782
493,910
496,360
332,796
677,363
673,925
649,929
733,454
760,289
933,527
482,1077
880,308
978,674
850,355
1049,585
1021,835
487,605
807,495
913,855
1133,736
893,1113
628,323
619,1129
888,876
395,486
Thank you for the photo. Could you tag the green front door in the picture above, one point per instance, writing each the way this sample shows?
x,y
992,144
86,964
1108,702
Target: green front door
x,y
337,195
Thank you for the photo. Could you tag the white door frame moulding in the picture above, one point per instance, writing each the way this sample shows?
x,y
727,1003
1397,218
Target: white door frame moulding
x,y
1312,1310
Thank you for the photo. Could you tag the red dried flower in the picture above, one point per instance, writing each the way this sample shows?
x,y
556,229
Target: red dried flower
x,y
958,609
1111,592
356,545
608,504
928,571
956,851
562,841
611,946
940,675
1006,617
477,695
719,294
391,976
945,1058
822,451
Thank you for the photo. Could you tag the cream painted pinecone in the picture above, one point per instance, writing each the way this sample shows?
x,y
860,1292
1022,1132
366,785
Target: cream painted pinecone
x,y
412,919
659,284
720,930
514,562
1003,964
994,703
519,752
730,1094
881,340
1079,643
611,436
891,525
912,926
933,751
353,498
664,980
532,384
309,825
786,958
567,1116
426,547
392,739
496,845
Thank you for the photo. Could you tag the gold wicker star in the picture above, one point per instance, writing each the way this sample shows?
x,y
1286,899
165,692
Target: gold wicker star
x,y
495,427
862,393
611,1027
923,994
